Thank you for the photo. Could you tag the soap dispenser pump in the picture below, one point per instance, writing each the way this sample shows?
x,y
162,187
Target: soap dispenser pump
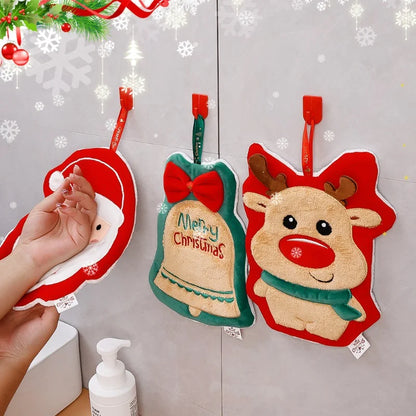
x,y
113,388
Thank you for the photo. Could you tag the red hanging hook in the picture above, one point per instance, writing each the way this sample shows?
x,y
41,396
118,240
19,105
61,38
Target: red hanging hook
x,y
126,104
312,114
200,105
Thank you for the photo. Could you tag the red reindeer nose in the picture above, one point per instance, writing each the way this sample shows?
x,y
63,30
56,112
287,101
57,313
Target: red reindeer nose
x,y
306,251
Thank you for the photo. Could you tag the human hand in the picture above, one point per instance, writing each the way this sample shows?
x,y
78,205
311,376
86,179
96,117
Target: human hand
x,y
22,336
24,333
60,226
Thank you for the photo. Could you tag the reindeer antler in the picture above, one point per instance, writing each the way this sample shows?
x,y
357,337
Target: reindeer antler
x,y
258,165
347,188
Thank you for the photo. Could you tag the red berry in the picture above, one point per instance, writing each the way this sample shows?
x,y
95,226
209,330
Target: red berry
x,y
15,18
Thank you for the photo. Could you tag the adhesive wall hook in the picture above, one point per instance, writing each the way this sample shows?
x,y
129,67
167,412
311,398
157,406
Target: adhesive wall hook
x,y
312,114
126,104
200,105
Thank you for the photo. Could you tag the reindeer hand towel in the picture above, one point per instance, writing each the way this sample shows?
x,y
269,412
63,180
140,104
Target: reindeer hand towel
x,y
310,244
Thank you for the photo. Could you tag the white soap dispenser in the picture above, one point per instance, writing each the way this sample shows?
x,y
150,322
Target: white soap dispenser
x,y
112,388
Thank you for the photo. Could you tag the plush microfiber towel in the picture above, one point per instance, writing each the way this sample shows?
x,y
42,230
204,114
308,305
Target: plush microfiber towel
x,y
113,183
199,269
310,244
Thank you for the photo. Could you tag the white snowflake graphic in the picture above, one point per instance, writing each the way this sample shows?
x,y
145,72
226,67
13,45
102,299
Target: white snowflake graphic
x,y
135,82
209,162
60,142
282,143
162,208
296,252
9,130
58,100
39,106
121,22
110,124
185,48
242,23
322,5
48,40
102,92
105,49
321,58
365,36
406,18
13,205
91,270
9,70
211,104
297,4
191,6
175,17
64,69
329,135
356,10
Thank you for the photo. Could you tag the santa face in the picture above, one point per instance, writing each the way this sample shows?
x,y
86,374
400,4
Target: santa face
x,y
104,231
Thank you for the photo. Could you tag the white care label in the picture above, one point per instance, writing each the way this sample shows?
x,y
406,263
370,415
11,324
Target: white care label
x,y
66,303
359,346
233,332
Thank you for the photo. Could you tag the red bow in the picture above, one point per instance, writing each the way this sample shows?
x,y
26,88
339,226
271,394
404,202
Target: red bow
x,y
207,188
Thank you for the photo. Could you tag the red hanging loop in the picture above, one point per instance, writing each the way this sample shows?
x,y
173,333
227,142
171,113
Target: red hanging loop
x,y
126,103
312,114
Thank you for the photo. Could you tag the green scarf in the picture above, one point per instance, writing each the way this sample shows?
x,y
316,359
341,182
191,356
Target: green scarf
x,y
338,299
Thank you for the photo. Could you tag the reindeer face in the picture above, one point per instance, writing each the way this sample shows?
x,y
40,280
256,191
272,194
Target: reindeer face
x,y
307,233
307,238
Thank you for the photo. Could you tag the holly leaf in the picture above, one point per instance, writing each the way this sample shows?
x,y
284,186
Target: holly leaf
x,y
31,26
3,30
56,9
32,5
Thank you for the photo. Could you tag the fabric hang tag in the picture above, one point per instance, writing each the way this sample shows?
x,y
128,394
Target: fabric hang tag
x,y
199,269
115,194
66,303
359,346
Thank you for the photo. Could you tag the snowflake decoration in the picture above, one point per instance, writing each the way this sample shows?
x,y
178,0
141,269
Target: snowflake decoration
x,y
296,252
242,23
9,70
65,69
211,104
185,48
356,10
13,205
105,49
209,162
110,124
329,135
175,17
321,58
39,106
297,4
121,22
406,18
135,82
60,142
282,143
102,92
365,36
276,198
9,130
58,100
48,40
91,270
162,208
322,5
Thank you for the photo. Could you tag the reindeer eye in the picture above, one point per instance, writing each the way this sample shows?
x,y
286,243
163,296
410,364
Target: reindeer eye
x,y
290,222
323,227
